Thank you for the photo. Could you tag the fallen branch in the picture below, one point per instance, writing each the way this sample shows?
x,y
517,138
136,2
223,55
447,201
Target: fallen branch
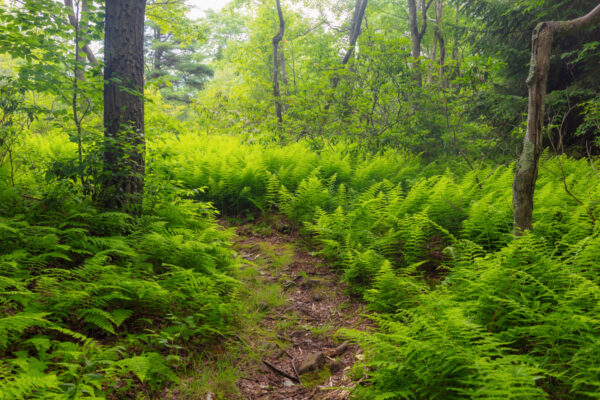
x,y
280,371
295,370
338,350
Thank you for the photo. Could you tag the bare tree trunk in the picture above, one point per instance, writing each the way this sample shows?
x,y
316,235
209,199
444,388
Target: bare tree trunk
x,y
158,52
416,33
440,40
77,76
124,142
455,55
527,169
355,29
357,18
284,78
276,39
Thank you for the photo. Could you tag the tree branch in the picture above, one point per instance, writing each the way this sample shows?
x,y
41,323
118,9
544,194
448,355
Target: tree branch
x,y
73,21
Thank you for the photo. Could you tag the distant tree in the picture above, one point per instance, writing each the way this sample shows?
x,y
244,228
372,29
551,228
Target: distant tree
x,y
276,39
177,66
124,142
416,32
175,59
355,29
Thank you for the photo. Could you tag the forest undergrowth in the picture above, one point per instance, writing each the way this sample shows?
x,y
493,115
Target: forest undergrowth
x,y
104,305
465,309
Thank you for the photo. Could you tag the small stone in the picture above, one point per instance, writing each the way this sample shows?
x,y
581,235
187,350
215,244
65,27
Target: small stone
x,y
312,362
288,383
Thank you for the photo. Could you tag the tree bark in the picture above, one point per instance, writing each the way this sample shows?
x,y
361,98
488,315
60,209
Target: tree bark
x,y
158,52
416,33
284,78
440,41
77,76
355,29
124,142
527,168
75,23
276,39
455,56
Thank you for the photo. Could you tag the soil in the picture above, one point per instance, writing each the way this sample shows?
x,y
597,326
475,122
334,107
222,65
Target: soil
x,y
302,319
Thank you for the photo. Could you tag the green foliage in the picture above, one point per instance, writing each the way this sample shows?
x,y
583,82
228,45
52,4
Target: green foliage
x,y
99,304
465,310
142,287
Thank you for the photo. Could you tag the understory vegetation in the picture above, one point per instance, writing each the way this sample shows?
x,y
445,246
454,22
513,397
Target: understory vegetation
x,y
383,134
99,303
104,303
465,310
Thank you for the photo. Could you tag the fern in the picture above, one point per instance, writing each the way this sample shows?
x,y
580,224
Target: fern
x,y
13,326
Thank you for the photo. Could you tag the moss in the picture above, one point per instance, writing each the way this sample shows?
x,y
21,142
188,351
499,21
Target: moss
x,y
528,157
316,378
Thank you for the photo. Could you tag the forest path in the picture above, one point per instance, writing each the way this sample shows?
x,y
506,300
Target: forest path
x,y
293,305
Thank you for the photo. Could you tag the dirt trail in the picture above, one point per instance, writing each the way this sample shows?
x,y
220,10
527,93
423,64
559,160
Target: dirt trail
x,y
295,306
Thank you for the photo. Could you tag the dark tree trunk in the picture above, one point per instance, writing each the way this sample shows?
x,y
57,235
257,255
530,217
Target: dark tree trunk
x,y
527,169
355,28
416,33
276,39
124,142
440,41
455,56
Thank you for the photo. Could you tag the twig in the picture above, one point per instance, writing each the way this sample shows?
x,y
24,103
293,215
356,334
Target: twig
x,y
295,370
280,371
338,350
284,351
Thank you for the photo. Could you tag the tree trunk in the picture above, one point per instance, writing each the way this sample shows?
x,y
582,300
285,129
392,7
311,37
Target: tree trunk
x,y
455,56
74,21
440,41
527,169
416,33
276,39
124,142
158,52
284,78
355,28
355,25
77,76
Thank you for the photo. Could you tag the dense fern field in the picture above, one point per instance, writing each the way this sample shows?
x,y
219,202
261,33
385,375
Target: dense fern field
x,y
104,304
465,310
299,199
